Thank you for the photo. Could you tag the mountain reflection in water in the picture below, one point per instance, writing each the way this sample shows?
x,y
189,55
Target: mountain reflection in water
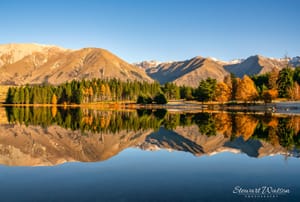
x,y
51,136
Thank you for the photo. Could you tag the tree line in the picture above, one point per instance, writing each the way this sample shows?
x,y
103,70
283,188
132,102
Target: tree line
x,y
78,92
267,87
276,84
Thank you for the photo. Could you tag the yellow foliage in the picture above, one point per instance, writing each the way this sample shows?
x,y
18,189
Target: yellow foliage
x,y
273,78
108,93
246,90
223,124
54,111
294,92
273,137
295,123
273,93
245,126
273,123
269,95
54,99
102,122
223,92
90,91
102,89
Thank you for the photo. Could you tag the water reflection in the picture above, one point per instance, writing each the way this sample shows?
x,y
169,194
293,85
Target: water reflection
x,y
50,136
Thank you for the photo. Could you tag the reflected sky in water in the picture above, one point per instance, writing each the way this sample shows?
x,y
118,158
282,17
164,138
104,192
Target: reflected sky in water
x,y
136,175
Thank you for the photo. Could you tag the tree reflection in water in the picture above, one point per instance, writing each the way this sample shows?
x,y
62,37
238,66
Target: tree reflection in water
x,y
277,130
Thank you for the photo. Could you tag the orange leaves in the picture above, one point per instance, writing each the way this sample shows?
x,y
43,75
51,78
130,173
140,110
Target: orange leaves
x,y
294,92
269,95
246,90
223,92
54,99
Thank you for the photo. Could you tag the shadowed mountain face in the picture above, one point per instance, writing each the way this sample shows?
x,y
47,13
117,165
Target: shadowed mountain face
x,y
43,136
188,72
169,139
147,64
35,64
256,65
295,61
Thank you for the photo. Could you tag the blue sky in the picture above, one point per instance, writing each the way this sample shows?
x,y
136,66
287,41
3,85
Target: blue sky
x,y
157,29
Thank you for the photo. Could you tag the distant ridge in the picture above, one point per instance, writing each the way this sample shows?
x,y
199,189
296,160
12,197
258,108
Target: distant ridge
x,y
187,72
190,72
35,64
256,65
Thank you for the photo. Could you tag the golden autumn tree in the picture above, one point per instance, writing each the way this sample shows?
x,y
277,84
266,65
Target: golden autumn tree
x,y
102,91
53,111
269,95
107,92
223,92
90,93
273,79
245,126
223,124
228,81
295,124
273,137
102,122
54,99
294,92
246,90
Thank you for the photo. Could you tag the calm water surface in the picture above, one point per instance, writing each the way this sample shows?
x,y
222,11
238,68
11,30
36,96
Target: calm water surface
x,y
86,155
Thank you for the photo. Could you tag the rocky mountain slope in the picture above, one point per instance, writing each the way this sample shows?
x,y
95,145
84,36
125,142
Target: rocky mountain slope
x,y
188,72
255,65
11,53
35,64
147,64
295,61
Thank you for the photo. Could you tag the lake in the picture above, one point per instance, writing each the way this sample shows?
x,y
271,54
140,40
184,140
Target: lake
x,y
74,154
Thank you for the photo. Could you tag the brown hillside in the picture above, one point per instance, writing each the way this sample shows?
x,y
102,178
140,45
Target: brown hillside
x,y
255,65
55,65
188,72
55,145
22,145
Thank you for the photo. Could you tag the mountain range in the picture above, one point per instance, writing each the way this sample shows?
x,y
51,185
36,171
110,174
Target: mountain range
x,y
35,64
22,145
190,72
187,72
